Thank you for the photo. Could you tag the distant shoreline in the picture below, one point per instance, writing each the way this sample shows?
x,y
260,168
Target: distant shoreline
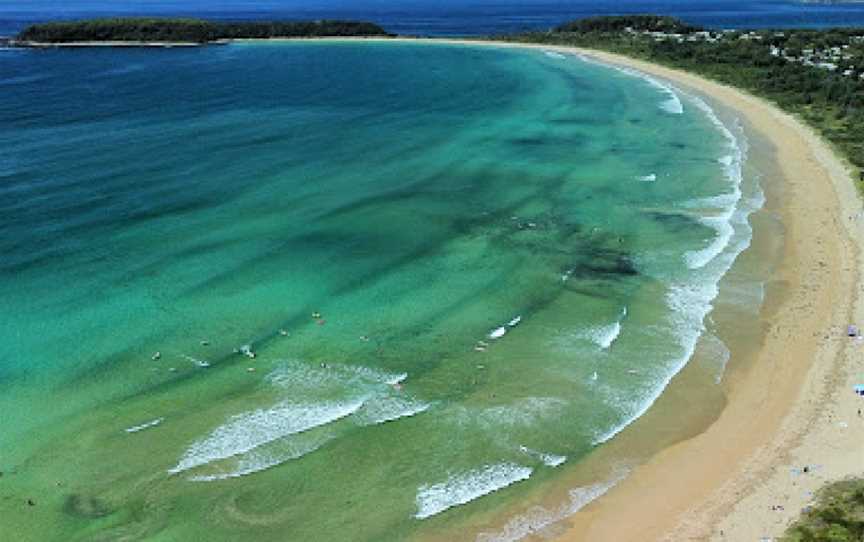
x,y
126,44
168,44
179,32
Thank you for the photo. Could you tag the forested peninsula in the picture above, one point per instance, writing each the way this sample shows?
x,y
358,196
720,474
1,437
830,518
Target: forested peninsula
x,y
186,31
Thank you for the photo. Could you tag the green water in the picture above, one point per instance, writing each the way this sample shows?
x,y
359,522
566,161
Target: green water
x,y
363,217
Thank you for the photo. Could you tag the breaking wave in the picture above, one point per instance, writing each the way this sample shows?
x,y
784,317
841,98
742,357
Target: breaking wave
x,y
466,487
540,518
245,432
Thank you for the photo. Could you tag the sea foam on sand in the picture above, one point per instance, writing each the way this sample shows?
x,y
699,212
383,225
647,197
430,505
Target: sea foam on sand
x,y
539,518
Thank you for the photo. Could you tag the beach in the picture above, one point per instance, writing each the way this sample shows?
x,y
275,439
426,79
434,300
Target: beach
x,y
743,478
630,192
793,406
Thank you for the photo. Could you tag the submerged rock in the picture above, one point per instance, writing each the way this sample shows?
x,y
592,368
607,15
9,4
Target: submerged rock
x,y
86,507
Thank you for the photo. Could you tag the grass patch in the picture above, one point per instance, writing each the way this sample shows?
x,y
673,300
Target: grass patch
x,y
837,516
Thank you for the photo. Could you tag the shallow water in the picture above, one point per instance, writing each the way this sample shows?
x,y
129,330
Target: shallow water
x,y
460,270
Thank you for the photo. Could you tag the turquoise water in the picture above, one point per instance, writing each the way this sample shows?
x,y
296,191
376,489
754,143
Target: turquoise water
x,y
459,271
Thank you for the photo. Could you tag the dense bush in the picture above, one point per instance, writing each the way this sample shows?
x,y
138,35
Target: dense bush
x,y
838,516
188,30
617,23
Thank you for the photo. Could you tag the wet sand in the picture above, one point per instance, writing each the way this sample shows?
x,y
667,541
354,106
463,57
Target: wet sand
x,y
742,477
794,406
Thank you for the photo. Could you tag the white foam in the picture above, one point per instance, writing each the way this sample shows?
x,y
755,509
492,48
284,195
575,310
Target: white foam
x,y
467,486
259,460
296,375
538,519
604,336
717,354
689,304
199,362
690,299
245,432
672,104
550,460
524,412
733,171
553,54
498,332
721,224
650,178
146,425
387,409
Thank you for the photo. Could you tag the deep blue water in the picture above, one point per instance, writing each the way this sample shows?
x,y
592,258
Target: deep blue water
x,y
448,17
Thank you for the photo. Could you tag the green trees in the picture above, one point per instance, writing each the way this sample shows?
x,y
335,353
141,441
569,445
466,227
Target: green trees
x,y
772,64
638,23
838,516
188,30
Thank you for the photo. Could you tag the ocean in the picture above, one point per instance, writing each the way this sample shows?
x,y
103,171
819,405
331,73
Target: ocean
x,y
449,17
341,291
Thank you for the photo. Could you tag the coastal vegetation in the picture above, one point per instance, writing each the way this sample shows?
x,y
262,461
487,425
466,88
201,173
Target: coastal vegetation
x,y
817,75
837,516
187,30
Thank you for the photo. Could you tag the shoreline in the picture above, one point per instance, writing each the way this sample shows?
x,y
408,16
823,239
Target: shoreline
x,y
12,42
785,410
718,485
722,484
727,482
124,44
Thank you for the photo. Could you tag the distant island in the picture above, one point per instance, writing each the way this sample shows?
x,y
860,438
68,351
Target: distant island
x,y
185,31
815,74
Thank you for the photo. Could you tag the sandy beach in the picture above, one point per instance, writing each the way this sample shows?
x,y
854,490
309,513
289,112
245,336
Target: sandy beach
x,y
743,478
784,422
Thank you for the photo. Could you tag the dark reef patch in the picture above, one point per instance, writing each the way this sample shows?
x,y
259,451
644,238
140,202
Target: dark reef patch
x,y
87,507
